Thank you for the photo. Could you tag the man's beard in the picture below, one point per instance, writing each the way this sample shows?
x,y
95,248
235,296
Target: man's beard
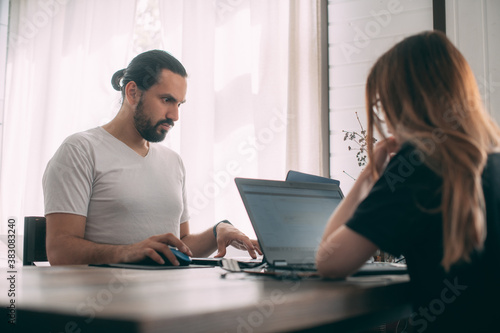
x,y
145,127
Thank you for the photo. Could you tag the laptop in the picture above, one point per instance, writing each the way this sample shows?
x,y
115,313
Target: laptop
x,y
289,219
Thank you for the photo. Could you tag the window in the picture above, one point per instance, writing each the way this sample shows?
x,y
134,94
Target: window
x,y
359,32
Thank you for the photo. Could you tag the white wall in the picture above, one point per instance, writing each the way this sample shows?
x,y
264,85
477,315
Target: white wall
x,y
359,32
474,27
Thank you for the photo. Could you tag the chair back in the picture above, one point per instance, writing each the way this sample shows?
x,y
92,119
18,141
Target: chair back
x,y
34,240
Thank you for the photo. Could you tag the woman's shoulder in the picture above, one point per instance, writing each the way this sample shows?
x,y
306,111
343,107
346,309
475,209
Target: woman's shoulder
x,y
409,168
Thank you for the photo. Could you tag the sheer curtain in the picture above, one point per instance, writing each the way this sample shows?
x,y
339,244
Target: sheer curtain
x,y
252,106
61,57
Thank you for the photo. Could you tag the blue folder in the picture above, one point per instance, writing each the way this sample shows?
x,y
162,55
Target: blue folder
x,y
296,176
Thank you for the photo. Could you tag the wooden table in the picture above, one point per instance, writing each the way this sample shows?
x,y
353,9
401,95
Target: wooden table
x,y
96,299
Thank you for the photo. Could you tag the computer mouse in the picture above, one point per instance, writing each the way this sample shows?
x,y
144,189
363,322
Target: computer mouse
x,y
184,259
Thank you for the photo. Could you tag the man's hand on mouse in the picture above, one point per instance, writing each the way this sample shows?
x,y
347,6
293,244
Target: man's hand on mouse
x,y
152,246
227,235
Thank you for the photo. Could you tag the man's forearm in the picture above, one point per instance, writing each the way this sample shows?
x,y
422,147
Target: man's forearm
x,y
202,244
71,250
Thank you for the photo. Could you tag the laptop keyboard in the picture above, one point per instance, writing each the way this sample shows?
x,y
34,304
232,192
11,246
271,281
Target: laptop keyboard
x,y
289,249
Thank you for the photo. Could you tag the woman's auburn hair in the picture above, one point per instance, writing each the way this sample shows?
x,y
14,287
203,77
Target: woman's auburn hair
x,y
429,97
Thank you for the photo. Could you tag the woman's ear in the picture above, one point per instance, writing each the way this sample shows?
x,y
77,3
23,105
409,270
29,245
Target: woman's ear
x,y
132,93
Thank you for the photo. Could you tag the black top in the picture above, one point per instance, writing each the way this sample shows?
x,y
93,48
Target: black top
x,y
400,216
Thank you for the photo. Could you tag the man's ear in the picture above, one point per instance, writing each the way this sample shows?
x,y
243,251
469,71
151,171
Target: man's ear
x,y
132,93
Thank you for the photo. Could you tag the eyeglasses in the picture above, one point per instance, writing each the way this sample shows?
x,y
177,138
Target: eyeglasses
x,y
235,266
263,269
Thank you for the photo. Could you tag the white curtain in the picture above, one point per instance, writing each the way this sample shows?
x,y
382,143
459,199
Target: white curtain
x,y
61,57
253,104
251,109
306,143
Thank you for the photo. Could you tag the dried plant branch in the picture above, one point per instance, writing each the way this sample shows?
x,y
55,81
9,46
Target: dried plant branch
x,y
360,140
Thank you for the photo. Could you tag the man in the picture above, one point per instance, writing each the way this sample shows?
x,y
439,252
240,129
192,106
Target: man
x,y
113,195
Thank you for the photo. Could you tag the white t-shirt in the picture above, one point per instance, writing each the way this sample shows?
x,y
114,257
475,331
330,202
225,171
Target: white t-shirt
x,y
125,197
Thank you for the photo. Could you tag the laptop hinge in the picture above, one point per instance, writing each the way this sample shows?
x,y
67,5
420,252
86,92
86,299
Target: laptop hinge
x,y
280,263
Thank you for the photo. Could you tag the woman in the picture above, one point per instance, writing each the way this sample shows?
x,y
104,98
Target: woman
x,y
431,191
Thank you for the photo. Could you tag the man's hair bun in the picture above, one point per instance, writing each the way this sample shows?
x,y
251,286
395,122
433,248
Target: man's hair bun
x,y
117,77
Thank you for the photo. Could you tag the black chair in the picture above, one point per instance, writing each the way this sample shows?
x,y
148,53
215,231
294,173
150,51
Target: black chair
x,y
34,240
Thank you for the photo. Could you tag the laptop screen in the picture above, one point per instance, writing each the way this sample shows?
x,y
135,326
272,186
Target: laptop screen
x,y
288,216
